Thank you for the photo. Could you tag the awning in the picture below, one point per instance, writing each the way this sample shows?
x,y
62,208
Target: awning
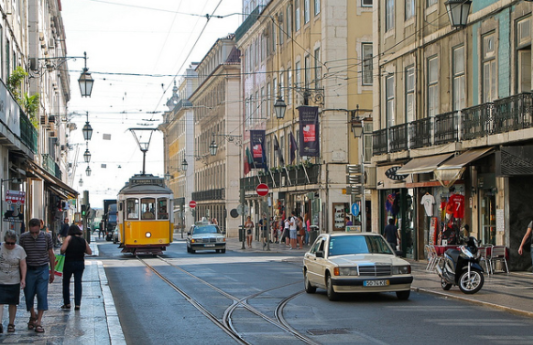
x,y
423,164
58,186
452,169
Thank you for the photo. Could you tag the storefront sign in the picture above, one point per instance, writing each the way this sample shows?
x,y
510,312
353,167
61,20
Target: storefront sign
x,y
15,197
391,174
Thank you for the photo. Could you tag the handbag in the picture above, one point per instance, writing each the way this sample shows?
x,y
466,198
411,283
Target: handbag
x,y
58,265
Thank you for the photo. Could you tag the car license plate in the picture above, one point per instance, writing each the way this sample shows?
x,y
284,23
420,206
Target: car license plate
x,y
209,245
375,283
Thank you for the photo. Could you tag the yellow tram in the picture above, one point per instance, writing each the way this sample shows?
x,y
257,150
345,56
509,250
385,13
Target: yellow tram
x,y
145,225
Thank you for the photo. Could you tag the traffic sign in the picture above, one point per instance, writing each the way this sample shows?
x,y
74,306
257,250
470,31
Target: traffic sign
x,y
355,209
262,189
192,204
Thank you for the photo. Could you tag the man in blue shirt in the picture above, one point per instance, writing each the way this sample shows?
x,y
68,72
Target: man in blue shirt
x,y
391,234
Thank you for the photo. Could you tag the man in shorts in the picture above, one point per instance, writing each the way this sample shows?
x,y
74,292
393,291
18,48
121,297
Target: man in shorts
x,y
293,226
40,253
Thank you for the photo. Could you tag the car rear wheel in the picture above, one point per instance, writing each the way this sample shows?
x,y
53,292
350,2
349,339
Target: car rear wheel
x,y
403,295
307,285
332,295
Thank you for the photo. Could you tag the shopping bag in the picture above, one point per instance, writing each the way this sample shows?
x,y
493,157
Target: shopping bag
x,y
59,263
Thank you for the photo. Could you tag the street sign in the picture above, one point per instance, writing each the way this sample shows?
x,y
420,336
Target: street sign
x,y
262,189
355,209
192,204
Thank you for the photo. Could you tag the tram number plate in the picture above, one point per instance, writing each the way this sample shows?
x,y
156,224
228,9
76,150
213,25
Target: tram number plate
x,y
209,245
376,283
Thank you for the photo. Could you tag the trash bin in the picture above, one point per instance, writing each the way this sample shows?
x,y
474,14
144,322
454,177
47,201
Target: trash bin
x,y
241,233
313,234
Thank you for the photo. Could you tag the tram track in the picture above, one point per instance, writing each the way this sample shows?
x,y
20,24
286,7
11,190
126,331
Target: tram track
x,y
226,323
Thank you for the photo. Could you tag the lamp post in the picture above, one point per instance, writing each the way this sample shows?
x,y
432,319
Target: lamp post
x,y
87,155
85,81
88,171
458,11
184,165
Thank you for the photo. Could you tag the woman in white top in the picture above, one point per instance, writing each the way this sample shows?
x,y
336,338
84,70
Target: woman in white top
x,y
12,277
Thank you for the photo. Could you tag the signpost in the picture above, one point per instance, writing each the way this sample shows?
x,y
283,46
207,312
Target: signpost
x,y
192,204
262,189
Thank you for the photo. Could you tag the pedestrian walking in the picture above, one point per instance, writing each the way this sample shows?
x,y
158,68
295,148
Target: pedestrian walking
x,y
293,232
391,234
74,247
263,225
286,229
527,240
248,226
64,230
301,231
40,253
12,277
307,223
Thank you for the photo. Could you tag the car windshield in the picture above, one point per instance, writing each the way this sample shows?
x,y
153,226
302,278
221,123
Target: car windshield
x,y
210,229
345,245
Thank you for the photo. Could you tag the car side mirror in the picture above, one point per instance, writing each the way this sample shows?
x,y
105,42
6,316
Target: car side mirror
x,y
320,254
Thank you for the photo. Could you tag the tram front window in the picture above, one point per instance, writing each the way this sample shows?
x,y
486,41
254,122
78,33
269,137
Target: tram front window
x,y
162,212
132,207
147,208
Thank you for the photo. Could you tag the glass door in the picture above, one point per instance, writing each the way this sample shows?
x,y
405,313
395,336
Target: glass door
x,y
487,219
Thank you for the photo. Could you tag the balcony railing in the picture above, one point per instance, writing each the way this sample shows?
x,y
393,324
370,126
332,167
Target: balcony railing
x,y
212,194
28,133
296,176
420,133
49,165
504,115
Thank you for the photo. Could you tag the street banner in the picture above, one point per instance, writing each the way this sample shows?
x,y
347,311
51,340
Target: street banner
x,y
277,149
257,138
293,147
309,132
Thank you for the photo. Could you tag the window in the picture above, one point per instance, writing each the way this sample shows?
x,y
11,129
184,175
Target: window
x,y
298,81
289,86
274,33
282,84
523,31
274,89
148,208
410,94
389,15
296,15
263,102
458,66
307,68
268,100
162,208
409,9
318,69
289,21
523,38
489,69
281,33
389,96
366,3
433,86
307,15
367,65
317,7
132,208
431,2
367,137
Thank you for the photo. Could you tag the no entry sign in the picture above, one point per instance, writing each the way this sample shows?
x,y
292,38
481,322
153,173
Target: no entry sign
x,y
262,189
192,204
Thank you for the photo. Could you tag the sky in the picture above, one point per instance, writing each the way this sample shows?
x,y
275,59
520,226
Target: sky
x,y
135,50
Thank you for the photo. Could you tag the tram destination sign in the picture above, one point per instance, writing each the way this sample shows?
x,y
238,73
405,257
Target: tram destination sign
x,y
146,181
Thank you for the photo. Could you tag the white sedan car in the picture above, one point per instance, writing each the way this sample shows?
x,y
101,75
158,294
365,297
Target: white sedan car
x,y
361,262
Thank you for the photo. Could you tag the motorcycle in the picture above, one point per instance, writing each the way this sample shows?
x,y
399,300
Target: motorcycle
x,y
461,267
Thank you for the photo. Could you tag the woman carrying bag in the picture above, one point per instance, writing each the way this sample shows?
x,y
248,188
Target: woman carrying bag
x,y
74,247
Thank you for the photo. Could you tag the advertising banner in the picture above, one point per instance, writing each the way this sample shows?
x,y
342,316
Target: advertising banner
x,y
309,132
257,138
15,211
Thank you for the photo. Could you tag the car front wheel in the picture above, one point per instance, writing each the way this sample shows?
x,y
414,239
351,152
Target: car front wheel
x,y
307,285
403,295
332,295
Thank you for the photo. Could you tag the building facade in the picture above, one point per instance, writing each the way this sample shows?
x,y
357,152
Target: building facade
x,y
452,122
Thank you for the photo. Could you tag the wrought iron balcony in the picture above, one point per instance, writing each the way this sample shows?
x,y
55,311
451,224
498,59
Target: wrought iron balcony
x,y
446,128
296,176
48,164
512,113
28,133
379,142
420,133
398,138
212,194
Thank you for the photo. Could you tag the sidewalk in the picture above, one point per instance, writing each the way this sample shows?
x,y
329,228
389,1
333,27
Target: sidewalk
x,y
95,323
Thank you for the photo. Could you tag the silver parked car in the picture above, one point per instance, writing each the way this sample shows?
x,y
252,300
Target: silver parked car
x,y
206,237
360,262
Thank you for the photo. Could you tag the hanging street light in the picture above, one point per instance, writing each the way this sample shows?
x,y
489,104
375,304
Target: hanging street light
x,y
87,129
88,171
184,164
279,108
213,148
458,11
86,81
80,182
87,155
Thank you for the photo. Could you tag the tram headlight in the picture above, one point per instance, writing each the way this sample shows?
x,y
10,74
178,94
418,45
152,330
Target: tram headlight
x,y
148,234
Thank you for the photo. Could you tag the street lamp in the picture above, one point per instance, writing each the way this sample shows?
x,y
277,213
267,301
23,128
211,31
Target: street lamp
x,y
80,182
86,81
279,108
87,155
87,130
213,148
184,164
88,171
458,11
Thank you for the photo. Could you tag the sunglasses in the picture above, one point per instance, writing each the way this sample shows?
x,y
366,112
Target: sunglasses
x,y
9,243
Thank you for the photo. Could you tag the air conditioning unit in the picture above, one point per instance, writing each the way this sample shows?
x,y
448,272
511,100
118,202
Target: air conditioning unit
x,y
44,119
51,43
52,119
52,134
